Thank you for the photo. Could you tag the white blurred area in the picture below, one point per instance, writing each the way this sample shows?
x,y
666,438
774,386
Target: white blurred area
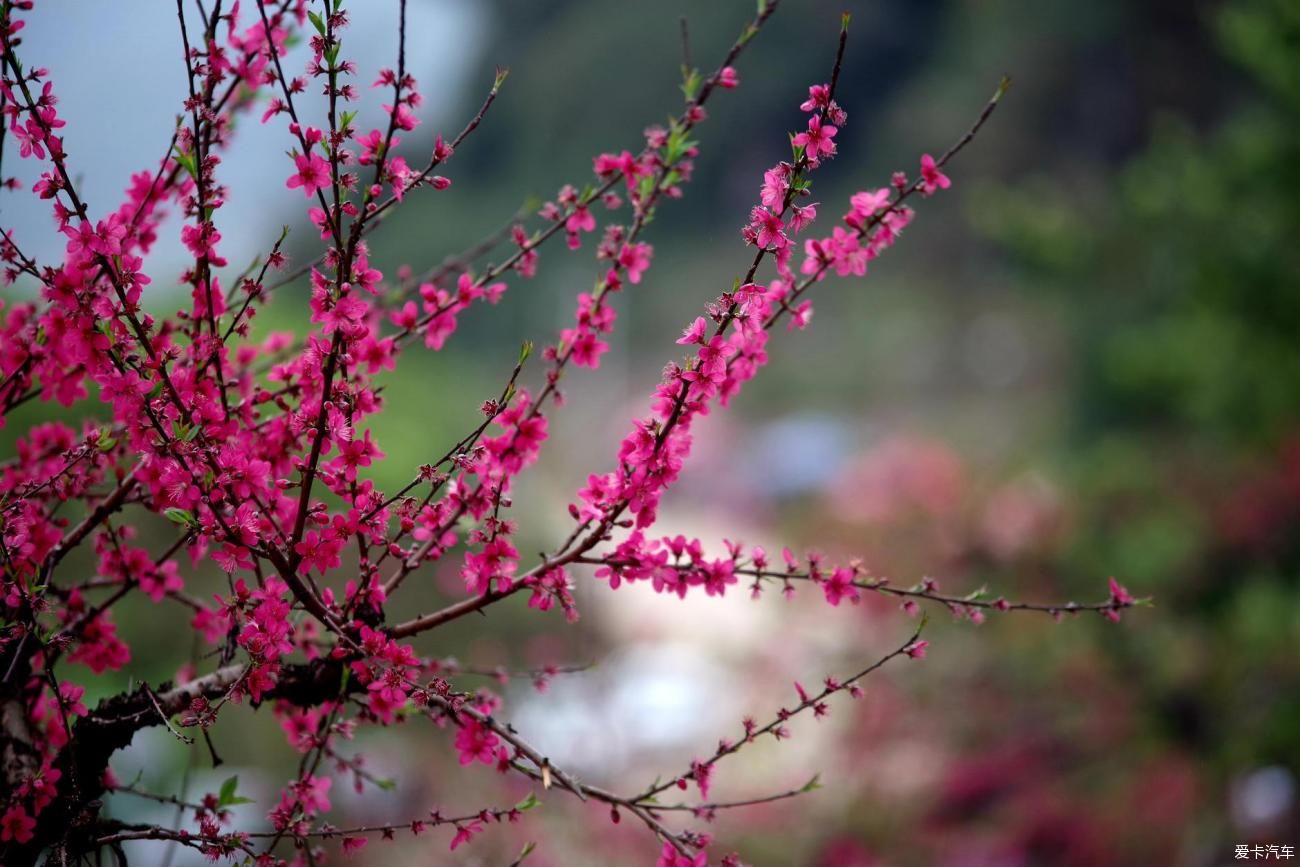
x,y
119,75
686,672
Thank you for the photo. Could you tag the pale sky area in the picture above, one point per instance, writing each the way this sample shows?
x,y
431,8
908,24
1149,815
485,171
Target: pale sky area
x,y
120,113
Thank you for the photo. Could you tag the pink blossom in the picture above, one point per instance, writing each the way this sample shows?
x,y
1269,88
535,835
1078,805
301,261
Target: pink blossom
x,y
819,97
475,741
694,332
17,825
775,185
931,177
840,586
635,258
817,138
465,832
670,857
768,228
313,174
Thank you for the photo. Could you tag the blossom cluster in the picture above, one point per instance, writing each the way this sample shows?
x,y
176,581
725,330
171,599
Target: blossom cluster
x,y
258,454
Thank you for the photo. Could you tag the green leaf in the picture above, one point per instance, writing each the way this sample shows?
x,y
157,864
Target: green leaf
x,y
186,161
813,784
525,350
317,22
645,187
186,518
228,796
528,803
690,83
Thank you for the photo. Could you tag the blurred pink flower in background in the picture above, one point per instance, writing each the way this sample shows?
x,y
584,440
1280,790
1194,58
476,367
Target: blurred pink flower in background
x,y
900,477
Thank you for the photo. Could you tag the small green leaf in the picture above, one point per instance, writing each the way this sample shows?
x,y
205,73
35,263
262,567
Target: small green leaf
x,y
690,83
228,796
528,803
184,517
645,187
525,350
813,784
186,161
317,22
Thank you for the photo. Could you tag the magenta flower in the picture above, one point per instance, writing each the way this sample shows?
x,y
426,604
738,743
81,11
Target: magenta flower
x,y
16,825
694,333
313,174
465,832
768,229
1119,598
636,259
840,587
30,136
931,177
819,96
475,742
775,184
817,139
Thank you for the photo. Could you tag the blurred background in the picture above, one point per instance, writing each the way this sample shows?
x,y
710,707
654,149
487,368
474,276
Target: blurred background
x,y
1081,361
